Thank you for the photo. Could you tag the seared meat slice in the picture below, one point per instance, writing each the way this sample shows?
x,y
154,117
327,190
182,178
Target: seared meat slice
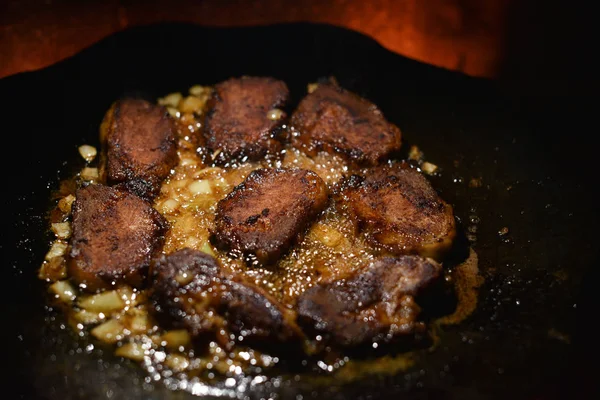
x,y
398,209
265,215
336,120
140,146
240,122
375,304
191,287
115,234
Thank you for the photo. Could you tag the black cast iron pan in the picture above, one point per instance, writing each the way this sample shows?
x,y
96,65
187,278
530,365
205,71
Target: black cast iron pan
x,y
526,339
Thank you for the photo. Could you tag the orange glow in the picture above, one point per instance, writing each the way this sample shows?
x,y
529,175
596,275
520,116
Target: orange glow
x,y
463,35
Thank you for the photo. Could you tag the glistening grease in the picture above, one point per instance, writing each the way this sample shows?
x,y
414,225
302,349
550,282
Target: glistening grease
x,y
225,364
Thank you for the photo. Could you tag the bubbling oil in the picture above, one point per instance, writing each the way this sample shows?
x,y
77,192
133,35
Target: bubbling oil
x,y
329,250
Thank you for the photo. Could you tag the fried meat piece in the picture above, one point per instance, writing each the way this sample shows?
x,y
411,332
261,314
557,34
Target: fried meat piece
x,y
338,121
375,304
267,213
192,288
243,119
115,234
398,209
140,146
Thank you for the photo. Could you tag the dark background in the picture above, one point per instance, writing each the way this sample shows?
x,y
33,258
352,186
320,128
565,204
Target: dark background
x,y
534,47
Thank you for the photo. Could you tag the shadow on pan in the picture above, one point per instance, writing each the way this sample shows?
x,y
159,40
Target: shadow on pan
x,y
527,337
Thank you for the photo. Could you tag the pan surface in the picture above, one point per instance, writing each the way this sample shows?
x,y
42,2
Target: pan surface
x,y
525,340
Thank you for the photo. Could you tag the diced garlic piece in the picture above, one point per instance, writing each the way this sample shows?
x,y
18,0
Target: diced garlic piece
x,y
184,277
176,338
312,87
173,112
131,297
198,90
177,362
169,206
110,331
88,317
64,291
137,323
201,186
53,269
191,104
275,114
89,174
132,350
62,230
87,152
105,302
58,249
415,153
172,99
429,168
207,248
65,203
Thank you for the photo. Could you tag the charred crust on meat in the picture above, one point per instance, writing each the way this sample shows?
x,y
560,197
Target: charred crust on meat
x,y
115,235
237,122
268,212
139,143
398,211
377,303
192,289
335,120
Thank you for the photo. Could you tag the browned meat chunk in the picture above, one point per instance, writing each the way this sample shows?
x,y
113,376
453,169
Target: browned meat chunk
x,y
115,234
336,120
140,143
267,213
190,286
398,209
241,123
375,304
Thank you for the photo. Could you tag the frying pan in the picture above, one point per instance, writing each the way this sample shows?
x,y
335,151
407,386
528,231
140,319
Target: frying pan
x,y
527,337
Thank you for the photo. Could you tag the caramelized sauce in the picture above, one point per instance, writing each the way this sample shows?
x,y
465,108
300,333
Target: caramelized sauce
x,y
328,251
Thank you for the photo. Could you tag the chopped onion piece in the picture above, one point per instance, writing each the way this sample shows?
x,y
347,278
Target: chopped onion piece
x,y
328,236
88,317
173,112
176,338
275,114
131,297
64,291
429,168
184,277
206,248
105,302
169,206
87,152
177,362
198,90
172,99
200,187
53,269
110,331
89,174
58,249
191,104
62,230
312,87
132,350
65,203
137,323
187,161
415,153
